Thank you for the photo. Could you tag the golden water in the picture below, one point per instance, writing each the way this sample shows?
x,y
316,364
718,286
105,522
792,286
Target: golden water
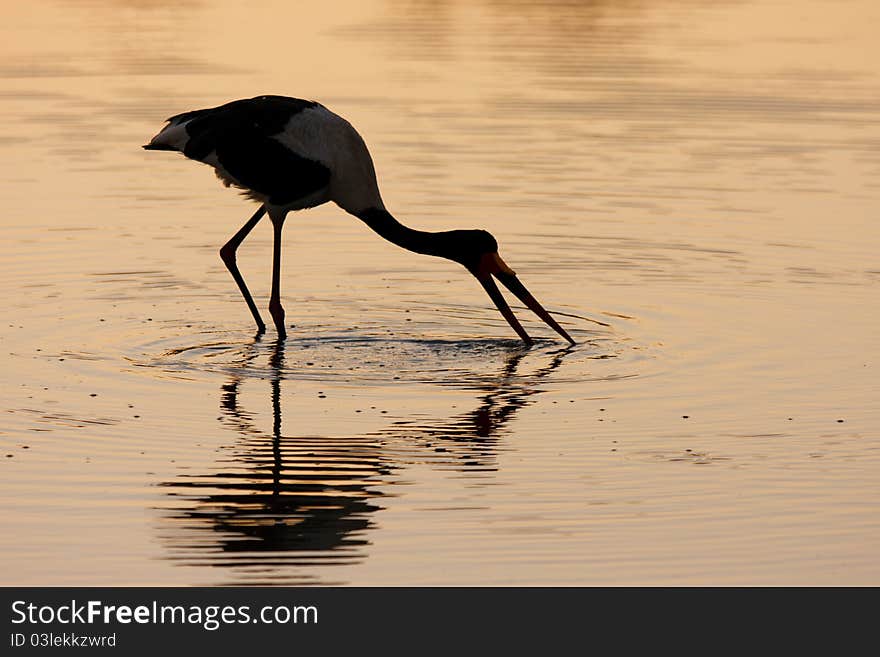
x,y
702,177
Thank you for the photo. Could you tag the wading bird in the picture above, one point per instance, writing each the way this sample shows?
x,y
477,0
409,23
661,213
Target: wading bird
x,y
291,154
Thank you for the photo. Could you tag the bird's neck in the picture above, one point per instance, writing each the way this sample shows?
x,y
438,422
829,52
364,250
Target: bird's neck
x,y
391,229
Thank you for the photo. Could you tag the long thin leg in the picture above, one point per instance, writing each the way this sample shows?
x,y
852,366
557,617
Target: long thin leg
x,y
275,300
227,253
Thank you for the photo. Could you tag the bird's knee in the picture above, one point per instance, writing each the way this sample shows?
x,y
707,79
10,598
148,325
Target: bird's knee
x,y
276,310
277,313
227,254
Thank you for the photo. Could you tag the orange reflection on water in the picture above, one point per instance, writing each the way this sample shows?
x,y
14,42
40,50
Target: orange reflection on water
x,y
701,177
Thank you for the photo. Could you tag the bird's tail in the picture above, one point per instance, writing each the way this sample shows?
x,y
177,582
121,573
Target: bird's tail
x,y
158,147
172,137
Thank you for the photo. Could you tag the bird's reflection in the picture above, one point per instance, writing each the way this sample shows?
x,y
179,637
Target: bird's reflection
x,y
277,508
470,441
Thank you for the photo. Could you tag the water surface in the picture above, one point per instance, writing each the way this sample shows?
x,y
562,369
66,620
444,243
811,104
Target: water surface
x,y
691,187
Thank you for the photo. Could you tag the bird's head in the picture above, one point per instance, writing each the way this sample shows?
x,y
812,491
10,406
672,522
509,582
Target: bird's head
x,y
477,250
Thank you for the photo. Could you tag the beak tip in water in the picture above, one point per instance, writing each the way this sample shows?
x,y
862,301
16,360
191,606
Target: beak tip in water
x,y
504,274
512,283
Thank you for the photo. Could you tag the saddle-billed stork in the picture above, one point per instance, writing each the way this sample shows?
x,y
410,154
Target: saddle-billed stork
x,y
291,154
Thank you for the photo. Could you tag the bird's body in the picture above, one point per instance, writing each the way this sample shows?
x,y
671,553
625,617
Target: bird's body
x,y
290,154
286,153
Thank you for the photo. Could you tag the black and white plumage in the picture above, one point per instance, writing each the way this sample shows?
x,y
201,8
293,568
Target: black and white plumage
x,y
291,154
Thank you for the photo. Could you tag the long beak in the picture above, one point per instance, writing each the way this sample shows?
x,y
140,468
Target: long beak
x,y
493,265
496,296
